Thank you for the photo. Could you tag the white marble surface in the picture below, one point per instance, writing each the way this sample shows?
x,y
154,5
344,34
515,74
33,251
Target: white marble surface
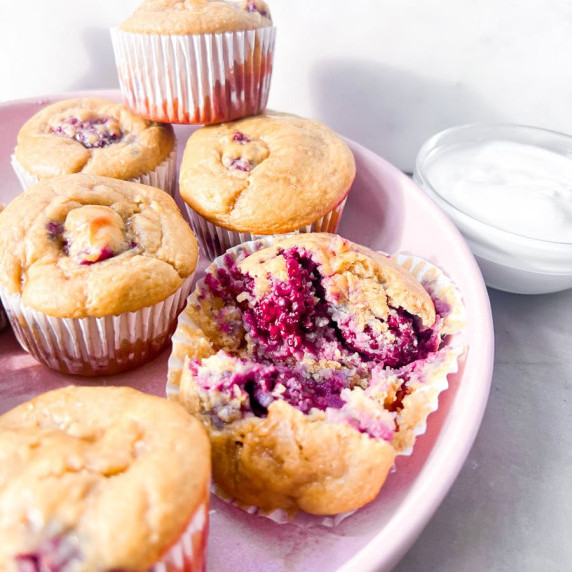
x,y
511,506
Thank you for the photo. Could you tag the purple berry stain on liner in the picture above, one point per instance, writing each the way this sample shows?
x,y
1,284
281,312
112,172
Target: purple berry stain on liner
x,y
55,555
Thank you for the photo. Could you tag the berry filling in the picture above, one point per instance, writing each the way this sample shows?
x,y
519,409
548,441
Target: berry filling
x,y
260,384
254,6
90,234
404,342
299,346
103,254
240,137
240,164
91,133
55,555
55,230
241,153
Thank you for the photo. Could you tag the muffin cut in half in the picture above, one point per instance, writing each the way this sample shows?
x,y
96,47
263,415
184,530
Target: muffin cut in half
x,y
312,362
102,478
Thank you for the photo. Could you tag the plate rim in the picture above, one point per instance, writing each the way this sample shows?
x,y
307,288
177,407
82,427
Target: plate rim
x,y
368,558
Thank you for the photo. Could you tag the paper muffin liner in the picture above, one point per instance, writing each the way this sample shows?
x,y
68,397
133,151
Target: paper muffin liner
x,y
164,176
195,78
431,378
215,240
189,553
95,346
425,386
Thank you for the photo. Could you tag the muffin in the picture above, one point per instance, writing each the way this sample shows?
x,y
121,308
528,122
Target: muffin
x,y
102,478
312,362
94,271
195,61
265,175
96,137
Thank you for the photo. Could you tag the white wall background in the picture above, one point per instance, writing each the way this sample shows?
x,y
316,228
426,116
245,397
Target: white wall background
x,y
386,73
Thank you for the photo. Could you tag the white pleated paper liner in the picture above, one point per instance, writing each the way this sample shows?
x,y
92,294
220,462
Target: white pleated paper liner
x,y
431,378
215,240
189,553
195,78
424,385
95,346
163,177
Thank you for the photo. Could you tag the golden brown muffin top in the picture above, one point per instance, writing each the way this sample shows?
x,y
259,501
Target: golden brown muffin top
x,y
197,17
266,174
80,245
92,136
106,477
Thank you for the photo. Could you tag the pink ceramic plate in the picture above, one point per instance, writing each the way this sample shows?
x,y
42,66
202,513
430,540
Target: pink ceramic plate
x,y
386,211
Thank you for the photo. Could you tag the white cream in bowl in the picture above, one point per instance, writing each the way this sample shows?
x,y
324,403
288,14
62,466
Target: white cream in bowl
x,y
508,188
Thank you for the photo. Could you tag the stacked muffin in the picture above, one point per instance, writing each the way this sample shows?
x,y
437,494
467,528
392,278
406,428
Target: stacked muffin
x,y
248,174
195,61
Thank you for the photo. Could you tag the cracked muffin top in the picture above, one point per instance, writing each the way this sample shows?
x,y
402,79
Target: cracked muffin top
x,y
92,136
81,245
83,483
266,174
197,17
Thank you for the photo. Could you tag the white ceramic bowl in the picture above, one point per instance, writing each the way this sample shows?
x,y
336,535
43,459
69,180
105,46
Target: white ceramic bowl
x,y
509,261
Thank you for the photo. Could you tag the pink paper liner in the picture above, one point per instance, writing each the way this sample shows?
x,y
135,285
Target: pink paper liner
x,y
189,553
163,177
95,346
215,240
195,78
